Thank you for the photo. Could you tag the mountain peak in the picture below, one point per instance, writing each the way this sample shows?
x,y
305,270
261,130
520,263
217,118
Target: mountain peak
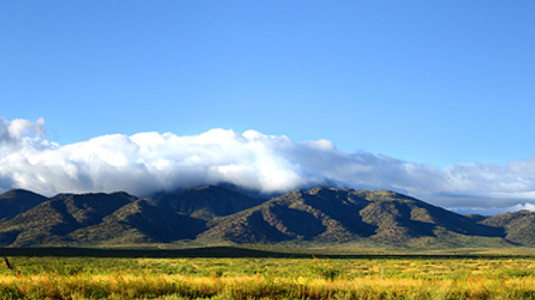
x,y
209,201
16,193
320,189
17,201
204,188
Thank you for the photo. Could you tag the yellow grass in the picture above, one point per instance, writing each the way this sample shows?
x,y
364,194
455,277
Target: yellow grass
x,y
273,278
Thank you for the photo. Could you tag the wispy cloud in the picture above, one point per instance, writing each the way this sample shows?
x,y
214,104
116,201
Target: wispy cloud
x,y
150,162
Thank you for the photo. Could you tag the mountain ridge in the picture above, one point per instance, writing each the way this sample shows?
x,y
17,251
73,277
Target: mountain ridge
x,y
215,215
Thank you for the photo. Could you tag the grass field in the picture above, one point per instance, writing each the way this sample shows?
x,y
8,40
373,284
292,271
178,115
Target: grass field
x,y
483,276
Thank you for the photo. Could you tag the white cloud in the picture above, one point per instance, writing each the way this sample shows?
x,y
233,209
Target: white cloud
x,y
150,162
13,131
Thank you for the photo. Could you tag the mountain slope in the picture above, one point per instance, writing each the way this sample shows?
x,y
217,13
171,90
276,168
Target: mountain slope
x,y
333,216
170,217
207,202
141,221
120,218
14,202
49,222
318,216
519,226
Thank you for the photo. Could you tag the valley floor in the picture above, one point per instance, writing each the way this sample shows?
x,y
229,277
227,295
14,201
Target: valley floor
x,y
488,276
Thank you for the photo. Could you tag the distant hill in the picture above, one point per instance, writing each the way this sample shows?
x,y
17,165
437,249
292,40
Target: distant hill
x,y
17,201
519,226
209,215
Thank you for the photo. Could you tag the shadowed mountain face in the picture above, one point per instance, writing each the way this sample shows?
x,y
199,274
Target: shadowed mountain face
x,y
213,214
519,226
51,221
17,201
207,202
117,218
332,215
141,221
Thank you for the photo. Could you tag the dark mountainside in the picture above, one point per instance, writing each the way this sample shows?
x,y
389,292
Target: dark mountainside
x,y
519,226
17,201
213,215
322,215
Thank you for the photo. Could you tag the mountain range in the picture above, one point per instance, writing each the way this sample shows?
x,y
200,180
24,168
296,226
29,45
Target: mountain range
x,y
210,215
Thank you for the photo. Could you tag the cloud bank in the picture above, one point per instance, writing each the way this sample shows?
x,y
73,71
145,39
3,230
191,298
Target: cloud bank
x,y
150,162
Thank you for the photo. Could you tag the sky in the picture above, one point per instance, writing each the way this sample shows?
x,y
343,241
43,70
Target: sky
x,y
430,98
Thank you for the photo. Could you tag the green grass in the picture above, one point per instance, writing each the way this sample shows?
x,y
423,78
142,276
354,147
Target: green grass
x,y
476,274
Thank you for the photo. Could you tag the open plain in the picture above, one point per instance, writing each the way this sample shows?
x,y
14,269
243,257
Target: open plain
x,y
243,273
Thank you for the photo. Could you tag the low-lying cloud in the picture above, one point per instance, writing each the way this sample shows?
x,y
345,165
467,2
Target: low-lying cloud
x,y
150,162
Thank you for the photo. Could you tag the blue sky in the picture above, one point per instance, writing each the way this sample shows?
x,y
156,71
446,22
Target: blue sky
x,y
425,82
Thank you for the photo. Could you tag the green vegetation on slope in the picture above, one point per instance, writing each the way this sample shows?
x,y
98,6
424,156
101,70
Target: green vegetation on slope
x,y
213,215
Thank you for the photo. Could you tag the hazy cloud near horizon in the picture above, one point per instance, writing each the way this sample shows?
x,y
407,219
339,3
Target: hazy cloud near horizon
x,y
151,162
